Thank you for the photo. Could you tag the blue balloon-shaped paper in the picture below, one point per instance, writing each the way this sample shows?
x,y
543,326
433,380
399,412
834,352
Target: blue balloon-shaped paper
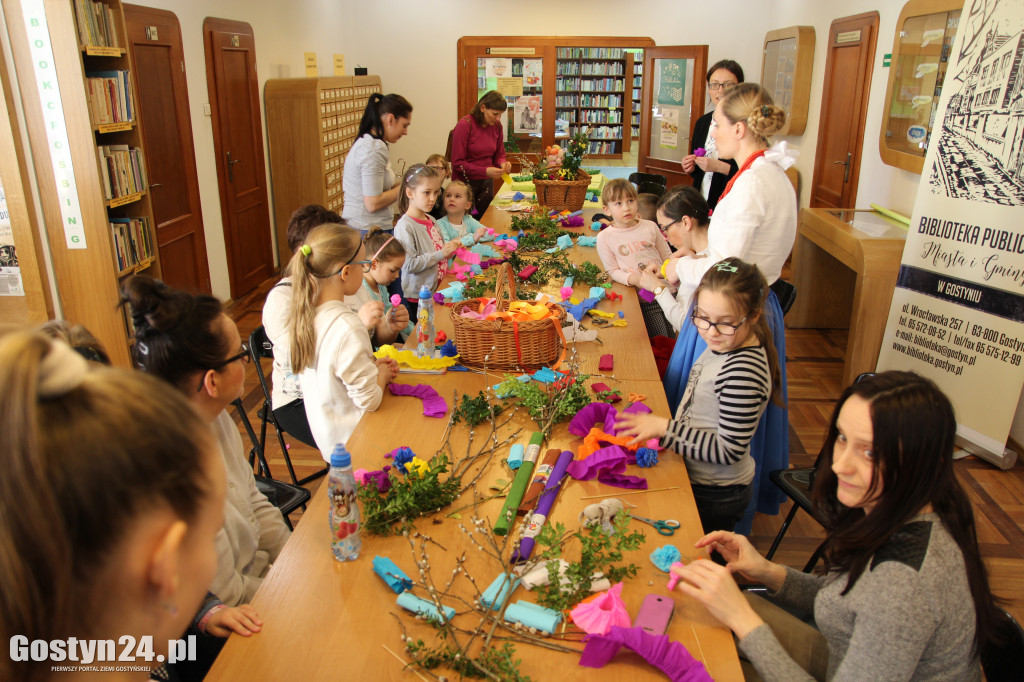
x,y
533,616
495,596
391,574
410,602
664,557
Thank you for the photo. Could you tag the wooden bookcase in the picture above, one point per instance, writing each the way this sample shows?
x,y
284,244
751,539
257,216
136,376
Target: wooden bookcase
x,y
82,238
590,92
311,125
638,84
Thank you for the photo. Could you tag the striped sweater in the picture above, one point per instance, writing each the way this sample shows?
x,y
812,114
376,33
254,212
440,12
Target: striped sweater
x,y
725,397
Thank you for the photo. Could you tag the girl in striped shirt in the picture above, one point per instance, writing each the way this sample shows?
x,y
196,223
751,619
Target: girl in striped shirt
x,y
728,389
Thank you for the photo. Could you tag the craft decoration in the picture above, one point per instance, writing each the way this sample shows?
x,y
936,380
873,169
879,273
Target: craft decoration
x,y
391,574
410,602
518,196
448,350
410,359
526,272
467,240
602,416
498,592
418,466
440,338
675,577
433,404
669,657
574,334
596,226
439,297
602,387
546,375
518,311
562,243
515,456
484,251
665,556
700,151
533,616
586,241
621,314
401,457
396,300
571,221
467,256
613,296
607,466
540,576
600,313
578,310
597,615
601,514
606,363
519,483
597,292
379,478
646,457
535,521
647,296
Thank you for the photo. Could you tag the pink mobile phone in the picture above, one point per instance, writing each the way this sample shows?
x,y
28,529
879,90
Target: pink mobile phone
x,y
654,614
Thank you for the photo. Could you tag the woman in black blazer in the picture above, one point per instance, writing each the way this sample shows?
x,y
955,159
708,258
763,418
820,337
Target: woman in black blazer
x,y
722,76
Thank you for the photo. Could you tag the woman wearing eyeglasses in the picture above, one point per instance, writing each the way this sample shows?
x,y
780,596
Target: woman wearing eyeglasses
x,y
188,341
709,171
329,344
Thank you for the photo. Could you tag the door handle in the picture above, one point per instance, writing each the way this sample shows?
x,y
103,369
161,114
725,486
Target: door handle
x,y
155,185
845,164
231,168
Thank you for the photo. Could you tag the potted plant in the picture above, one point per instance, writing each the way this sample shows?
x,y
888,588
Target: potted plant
x,y
560,182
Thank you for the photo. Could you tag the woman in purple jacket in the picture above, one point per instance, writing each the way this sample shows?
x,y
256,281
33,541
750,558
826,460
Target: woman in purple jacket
x,y
478,149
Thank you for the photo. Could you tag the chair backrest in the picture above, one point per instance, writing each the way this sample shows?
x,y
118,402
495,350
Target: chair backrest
x,y
650,188
1003,662
785,292
260,345
655,178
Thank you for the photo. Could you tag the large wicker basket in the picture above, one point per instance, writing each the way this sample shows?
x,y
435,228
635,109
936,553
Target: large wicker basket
x,y
563,195
506,345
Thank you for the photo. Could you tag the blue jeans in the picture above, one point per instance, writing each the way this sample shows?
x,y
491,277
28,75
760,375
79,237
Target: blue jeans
x,y
721,506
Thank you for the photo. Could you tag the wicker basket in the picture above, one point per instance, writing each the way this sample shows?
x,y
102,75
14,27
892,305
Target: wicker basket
x,y
527,345
563,195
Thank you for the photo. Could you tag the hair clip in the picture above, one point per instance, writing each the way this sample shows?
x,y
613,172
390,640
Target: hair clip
x,y
306,250
143,348
766,110
725,267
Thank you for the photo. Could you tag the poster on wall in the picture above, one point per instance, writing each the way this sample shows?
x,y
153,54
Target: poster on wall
x,y
498,67
957,313
669,128
10,271
533,71
671,81
527,114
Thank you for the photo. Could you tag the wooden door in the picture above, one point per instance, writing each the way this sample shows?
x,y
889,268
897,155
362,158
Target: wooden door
x,y
673,100
238,145
154,37
844,106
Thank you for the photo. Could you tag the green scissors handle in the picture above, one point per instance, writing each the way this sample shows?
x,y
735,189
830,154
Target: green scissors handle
x,y
666,527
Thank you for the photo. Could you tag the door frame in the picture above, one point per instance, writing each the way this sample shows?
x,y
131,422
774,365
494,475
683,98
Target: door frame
x,y
699,55
869,21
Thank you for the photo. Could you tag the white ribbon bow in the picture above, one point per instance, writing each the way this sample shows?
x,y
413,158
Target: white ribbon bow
x,y
781,155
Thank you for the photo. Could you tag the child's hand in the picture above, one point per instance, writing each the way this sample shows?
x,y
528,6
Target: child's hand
x,y
387,371
642,427
451,247
689,161
371,313
650,282
399,319
479,234
242,620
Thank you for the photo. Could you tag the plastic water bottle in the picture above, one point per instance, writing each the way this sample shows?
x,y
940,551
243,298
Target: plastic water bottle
x,y
343,513
425,324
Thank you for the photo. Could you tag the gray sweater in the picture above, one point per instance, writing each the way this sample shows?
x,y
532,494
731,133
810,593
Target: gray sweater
x,y
421,257
909,617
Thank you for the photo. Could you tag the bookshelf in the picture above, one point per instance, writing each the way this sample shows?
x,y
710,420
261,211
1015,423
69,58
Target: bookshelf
x,y
637,88
591,92
311,125
88,155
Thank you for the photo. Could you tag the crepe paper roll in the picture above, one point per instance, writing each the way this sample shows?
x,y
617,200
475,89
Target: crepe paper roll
x,y
497,593
507,179
575,213
544,504
533,616
601,387
569,281
519,483
606,363
527,271
391,574
889,213
515,456
410,602
672,581
540,477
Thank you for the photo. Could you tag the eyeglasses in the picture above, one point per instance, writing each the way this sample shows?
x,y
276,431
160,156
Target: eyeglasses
x,y
704,324
713,85
243,355
664,228
353,261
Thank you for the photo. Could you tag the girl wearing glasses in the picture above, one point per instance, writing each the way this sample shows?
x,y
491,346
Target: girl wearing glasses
x,y
190,343
329,342
728,389
709,171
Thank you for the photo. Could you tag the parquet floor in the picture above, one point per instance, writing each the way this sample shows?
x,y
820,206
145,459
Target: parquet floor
x,y
814,371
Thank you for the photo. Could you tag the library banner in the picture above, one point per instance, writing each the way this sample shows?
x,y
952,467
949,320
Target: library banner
x,y
957,313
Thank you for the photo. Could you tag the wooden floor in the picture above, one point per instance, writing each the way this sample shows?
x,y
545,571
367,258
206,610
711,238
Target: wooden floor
x,y
814,370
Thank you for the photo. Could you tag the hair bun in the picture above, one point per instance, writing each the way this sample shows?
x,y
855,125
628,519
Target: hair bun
x,y
61,370
152,303
767,119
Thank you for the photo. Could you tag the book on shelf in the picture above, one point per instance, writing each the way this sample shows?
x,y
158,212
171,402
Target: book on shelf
x,y
121,170
110,96
95,22
133,241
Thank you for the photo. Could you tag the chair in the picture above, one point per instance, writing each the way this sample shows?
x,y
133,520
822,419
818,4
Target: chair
x,y
1003,662
650,188
653,178
262,348
797,484
786,293
284,496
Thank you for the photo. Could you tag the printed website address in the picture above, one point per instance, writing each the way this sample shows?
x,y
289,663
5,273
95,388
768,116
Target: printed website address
x,y
938,362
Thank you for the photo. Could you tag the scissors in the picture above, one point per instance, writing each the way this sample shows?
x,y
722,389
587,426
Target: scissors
x,y
638,398
666,527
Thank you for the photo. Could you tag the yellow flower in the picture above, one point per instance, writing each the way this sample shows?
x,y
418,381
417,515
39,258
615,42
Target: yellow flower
x,y
418,465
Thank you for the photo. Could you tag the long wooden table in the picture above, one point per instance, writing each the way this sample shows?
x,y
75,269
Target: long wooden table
x,y
326,620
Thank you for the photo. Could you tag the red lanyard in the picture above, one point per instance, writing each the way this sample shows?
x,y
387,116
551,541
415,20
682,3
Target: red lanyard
x,y
746,164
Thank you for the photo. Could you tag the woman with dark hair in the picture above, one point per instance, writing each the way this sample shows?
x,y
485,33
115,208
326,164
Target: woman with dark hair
x,y
709,172
188,341
369,183
478,149
904,593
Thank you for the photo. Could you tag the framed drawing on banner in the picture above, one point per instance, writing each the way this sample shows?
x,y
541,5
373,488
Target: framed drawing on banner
x,y
957,313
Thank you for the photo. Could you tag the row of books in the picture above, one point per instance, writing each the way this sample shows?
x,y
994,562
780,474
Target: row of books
x,y
133,241
110,96
609,101
601,85
599,116
96,25
122,170
603,148
591,53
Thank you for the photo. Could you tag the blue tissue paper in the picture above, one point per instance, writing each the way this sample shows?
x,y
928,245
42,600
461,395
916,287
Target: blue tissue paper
x,y
598,292
580,309
646,457
495,596
467,240
448,350
547,375
533,616
518,196
664,557
586,241
410,602
596,226
391,574
515,456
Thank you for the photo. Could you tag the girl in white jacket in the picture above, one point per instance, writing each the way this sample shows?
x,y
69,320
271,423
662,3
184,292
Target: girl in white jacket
x,y
329,343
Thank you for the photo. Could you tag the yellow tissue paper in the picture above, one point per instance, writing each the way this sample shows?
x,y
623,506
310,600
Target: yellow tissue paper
x,y
599,313
410,359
